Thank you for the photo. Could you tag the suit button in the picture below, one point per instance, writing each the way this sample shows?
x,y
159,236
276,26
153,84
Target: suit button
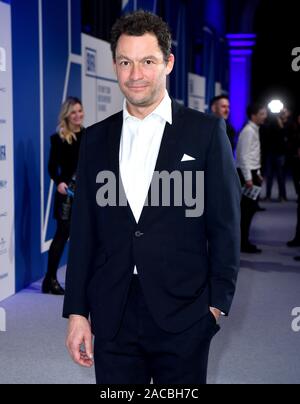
x,y
138,234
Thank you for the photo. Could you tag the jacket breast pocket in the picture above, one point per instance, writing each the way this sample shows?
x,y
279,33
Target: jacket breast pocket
x,y
192,165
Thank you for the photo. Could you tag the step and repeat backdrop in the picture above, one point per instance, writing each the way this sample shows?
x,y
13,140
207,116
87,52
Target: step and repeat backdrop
x,y
101,95
7,249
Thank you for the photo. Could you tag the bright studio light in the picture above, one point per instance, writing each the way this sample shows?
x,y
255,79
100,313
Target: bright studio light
x,y
276,106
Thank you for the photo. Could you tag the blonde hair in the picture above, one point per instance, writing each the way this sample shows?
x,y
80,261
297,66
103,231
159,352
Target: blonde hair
x,y
64,129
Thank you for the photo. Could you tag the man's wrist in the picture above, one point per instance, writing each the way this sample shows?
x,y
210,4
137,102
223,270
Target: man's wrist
x,y
77,317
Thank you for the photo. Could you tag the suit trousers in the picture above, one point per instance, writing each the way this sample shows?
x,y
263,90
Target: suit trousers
x,y
142,351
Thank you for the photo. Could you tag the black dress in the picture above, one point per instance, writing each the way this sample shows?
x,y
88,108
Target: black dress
x,y
62,165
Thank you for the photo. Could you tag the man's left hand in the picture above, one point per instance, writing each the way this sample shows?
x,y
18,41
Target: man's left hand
x,y
216,312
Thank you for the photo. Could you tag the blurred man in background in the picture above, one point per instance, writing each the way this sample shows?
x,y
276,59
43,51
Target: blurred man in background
x,y
220,107
249,165
276,142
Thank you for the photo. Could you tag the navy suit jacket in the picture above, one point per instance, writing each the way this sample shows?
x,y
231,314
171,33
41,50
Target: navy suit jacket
x,y
185,264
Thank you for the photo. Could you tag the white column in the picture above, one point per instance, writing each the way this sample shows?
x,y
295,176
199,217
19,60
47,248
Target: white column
x,y
240,59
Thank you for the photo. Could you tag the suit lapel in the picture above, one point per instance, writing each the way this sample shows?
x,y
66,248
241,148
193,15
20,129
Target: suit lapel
x,y
168,152
114,139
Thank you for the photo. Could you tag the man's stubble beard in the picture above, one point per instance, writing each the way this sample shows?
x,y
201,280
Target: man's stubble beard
x,y
146,101
150,99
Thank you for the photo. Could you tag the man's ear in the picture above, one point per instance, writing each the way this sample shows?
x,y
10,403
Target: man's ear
x,y
170,63
214,108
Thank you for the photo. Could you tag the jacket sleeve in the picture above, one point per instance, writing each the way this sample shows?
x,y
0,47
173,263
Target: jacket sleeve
x,y
222,201
81,241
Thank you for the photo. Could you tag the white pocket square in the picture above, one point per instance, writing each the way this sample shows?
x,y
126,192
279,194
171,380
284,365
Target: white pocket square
x,y
186,157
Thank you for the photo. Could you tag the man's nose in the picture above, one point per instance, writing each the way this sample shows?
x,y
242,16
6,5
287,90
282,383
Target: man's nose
x,y
136,72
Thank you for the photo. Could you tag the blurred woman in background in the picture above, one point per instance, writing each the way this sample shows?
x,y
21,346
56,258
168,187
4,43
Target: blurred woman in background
x,y
62,167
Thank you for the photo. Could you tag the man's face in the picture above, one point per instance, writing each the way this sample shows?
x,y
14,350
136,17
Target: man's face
x,y
141,69
221,108
261,116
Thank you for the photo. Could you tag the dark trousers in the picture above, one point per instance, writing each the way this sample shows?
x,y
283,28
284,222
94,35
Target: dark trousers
x,y
297,235
248,209
57,247
141,350
275,165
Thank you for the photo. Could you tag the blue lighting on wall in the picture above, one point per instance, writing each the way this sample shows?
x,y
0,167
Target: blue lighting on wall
x,y
240,55
238,91
215,15
240,36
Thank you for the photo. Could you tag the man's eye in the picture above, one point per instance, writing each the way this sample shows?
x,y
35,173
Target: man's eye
x,y
148,62
124,63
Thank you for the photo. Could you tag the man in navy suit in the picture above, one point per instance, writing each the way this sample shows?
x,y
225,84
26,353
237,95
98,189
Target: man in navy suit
x,y
150,279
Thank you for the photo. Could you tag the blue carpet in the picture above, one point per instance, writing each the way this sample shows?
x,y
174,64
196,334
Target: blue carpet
x,y
256,343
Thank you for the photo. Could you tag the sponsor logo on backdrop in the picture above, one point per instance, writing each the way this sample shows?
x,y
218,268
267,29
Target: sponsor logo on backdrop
x,y
104,98
2,60
3,248
2,153
90,61
2,90
2,320
3,184
3,214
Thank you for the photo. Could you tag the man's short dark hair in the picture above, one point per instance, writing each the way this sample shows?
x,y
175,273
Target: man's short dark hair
x,y
218,98
254,109
139,23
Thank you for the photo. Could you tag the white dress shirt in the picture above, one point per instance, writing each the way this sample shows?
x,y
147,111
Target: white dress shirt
x,y
139,148
248,153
